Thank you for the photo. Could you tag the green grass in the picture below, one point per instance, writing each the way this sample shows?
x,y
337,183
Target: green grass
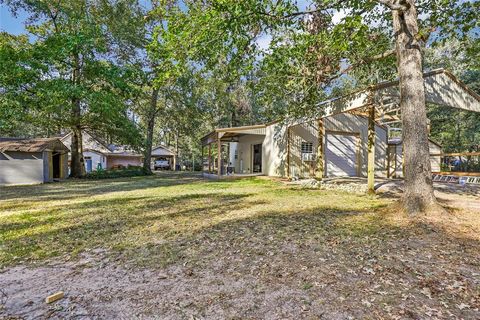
x,y
146,219
322,249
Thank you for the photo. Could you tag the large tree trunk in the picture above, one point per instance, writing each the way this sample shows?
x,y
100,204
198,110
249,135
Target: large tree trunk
x,y
418,196
77,165
152,112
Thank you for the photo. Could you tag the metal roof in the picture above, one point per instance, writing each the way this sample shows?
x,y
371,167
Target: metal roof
x,y
31,145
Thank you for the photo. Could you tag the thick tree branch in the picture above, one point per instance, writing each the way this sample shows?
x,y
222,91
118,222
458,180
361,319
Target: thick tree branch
x,y
363,61
399,5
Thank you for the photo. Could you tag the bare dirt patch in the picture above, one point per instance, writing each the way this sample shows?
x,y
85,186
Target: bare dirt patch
x,y
277,253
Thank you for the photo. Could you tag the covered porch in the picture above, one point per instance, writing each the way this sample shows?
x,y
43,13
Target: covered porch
x,y
233,152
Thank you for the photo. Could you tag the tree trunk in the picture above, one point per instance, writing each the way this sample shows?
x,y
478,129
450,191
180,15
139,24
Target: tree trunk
x,y
77,165
152,112
418,196
175,157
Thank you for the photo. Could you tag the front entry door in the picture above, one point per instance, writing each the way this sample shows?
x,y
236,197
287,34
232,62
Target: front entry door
x,y
89,164
257,158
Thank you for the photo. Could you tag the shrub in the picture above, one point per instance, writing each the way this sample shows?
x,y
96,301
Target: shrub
x,y
116,173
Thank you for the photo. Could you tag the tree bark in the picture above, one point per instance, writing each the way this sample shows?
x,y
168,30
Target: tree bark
x,y
418,195
175,157
77,165
152,113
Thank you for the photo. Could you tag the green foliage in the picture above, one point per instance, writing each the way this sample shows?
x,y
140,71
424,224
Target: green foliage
x,y
74,57
117,173
305,54
455,130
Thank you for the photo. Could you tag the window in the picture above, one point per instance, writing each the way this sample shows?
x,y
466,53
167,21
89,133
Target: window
x,y
307,147
236,154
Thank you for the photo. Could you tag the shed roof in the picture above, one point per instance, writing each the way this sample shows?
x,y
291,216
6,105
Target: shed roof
x,y
162,151
31,145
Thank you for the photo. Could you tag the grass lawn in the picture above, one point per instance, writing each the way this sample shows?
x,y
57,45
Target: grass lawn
x,y
177,246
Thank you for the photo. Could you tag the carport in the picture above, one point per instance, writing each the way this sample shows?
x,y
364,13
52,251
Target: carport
x,y
381,103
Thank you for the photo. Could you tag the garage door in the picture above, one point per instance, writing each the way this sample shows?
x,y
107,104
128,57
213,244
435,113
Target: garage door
x,y
341,155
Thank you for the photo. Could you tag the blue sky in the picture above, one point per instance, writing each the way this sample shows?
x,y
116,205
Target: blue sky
x,y
11,24
15,25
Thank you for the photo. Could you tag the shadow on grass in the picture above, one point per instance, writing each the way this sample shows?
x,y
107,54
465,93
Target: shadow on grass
x,y
75,188
112,222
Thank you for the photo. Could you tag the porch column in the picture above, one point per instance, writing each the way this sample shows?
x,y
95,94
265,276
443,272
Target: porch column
x,y
202,159
219,155
209,158
288,153
371,150
320,165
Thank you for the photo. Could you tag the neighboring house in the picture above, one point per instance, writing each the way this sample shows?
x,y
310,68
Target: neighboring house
x,y
31,161
163,153
349,138
99,155
395,157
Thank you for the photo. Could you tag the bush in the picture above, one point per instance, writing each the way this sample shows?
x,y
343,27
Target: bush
x,y
116,173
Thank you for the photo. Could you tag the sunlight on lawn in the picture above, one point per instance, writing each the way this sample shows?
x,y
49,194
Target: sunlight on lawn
x,y
39,222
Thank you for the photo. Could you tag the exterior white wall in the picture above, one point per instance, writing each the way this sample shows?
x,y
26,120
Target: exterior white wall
x,y
232,148
396,158
21,168
353,123
244,147
435,161
275,150
97,158
275,145
88,142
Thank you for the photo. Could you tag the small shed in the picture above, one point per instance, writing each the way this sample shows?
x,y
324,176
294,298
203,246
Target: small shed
x,y
31,161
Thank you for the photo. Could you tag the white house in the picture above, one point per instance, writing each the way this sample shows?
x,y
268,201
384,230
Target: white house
x,y
99,155
278,149
349,137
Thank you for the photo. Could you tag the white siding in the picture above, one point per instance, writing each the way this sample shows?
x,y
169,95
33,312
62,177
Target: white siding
x,y
358,124
275,150
245,143
341,158
275,145
396,158
97,158
21,168
233,146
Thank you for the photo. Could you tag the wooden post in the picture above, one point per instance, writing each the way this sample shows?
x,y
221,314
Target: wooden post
x,y
219,155
288,153
209,158
202,159
320,151
371,150
388,161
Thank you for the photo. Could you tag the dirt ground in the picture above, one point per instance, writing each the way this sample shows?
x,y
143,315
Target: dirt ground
x,y
450,195
307,264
